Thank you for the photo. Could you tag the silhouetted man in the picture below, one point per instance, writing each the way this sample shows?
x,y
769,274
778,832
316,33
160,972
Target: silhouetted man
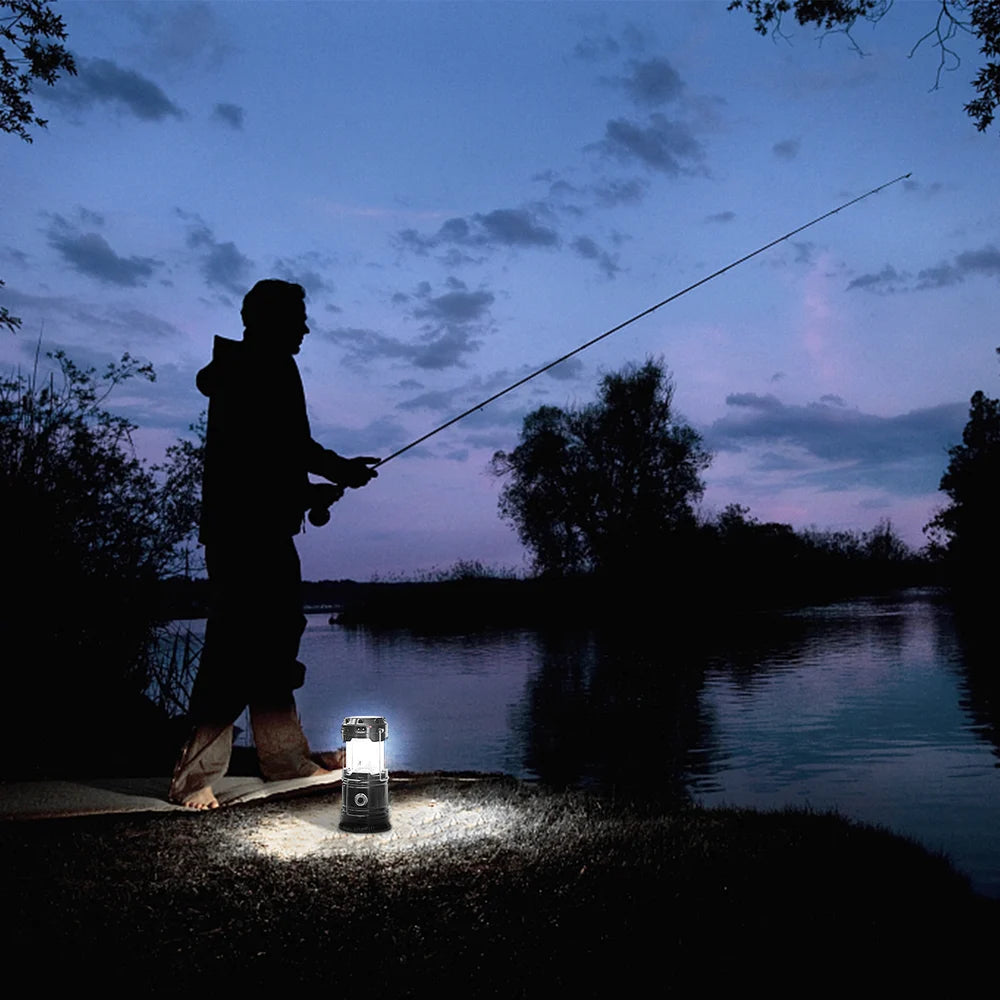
x,y
256,490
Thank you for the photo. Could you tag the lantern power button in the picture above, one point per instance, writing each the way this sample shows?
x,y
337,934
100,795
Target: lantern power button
x,y
360,800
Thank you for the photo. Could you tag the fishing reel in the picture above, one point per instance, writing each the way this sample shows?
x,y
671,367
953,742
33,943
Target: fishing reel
x,y
320,497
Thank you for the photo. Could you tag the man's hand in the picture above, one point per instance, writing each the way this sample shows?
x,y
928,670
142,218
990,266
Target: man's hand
x,y
355,472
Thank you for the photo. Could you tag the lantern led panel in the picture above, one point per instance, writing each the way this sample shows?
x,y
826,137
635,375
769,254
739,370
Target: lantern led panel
x,y
365,787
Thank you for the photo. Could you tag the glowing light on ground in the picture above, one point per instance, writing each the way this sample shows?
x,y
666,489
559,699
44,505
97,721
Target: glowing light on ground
x,y
418,825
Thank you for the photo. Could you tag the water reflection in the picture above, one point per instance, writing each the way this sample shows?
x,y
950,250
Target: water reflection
x,y
887,710
973,647
872,709
617,713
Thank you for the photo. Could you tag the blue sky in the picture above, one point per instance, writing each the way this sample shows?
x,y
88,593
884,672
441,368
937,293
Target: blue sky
x,y
469,190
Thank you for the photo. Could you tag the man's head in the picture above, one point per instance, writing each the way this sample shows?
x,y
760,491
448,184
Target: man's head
x,y
274,313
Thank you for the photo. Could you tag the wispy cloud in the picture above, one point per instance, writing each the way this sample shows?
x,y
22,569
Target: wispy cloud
x,y
186,35
452,325
586,247
787,149
221,263
660,144
502,227
96,323
839,447
308,270
103,81
886,280
90,253
652,82
983,262
229,114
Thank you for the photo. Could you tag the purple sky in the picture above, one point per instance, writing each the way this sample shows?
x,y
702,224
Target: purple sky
x,y
469,190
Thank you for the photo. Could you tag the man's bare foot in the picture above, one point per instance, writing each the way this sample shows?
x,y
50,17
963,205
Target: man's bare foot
x,y
204,798
329,760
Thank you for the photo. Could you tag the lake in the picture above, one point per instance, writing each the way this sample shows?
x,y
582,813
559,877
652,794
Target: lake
x,y
884,709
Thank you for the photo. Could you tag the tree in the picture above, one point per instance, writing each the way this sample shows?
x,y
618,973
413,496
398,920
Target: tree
x,y
29,27
608,486
979,18
91,529
967,531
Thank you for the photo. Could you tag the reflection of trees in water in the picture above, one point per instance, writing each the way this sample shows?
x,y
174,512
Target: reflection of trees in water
x,y
977,659
761,645
622,710
617,712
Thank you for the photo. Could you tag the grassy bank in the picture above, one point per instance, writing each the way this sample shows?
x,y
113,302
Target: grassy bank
x,y
484,888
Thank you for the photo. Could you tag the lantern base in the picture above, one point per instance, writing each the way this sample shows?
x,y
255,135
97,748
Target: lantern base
x,y
365,802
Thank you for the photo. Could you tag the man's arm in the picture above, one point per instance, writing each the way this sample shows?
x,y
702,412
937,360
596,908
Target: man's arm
x,y
353,472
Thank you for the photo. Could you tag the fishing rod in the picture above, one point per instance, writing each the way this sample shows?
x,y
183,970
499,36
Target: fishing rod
x,y
637,316
321,513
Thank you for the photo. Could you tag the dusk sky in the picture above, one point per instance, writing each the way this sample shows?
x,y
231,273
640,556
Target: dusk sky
x,y
469,190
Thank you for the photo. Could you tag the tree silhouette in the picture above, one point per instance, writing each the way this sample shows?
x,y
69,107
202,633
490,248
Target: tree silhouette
x,y
91,529
29,27
968,529
979,18
606,487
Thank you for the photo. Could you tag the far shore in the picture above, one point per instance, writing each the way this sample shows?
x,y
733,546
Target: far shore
x,y
485,600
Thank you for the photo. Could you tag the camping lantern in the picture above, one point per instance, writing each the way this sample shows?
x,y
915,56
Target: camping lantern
x,y
366,781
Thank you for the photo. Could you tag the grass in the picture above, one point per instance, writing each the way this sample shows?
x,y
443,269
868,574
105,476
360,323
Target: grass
x,y
485,888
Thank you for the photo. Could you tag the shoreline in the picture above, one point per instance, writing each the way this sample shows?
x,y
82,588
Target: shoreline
x,y
491,886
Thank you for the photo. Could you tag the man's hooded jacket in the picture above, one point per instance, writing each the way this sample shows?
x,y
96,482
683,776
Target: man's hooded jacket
x,y
258,450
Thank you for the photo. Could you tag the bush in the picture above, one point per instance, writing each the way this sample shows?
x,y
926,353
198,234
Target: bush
x,y
91,531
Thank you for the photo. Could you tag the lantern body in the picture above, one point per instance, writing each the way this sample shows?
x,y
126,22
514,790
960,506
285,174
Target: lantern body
x,y
365,787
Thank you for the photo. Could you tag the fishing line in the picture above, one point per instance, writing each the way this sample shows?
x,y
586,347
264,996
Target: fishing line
x,y
637,316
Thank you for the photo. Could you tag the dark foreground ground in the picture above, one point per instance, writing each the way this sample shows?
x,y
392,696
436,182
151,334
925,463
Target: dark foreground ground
x,y
484,887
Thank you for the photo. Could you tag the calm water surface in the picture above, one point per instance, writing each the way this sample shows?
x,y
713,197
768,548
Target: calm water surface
x,y
877,708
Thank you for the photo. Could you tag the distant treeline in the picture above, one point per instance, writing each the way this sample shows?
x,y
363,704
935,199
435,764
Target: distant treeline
x,y
729,565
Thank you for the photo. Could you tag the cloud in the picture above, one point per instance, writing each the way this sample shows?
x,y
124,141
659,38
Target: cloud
x,y
663,145
95,323
653,82
222,265
230,114
489,427
589,250
608,192
886,280
305,270
103,81
940,276
452,326
516,227
984,262
180,35
591,49
567,370
503,227
90,253
380,437
840,448
620,192
456,306
594,47
365,346
787,149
